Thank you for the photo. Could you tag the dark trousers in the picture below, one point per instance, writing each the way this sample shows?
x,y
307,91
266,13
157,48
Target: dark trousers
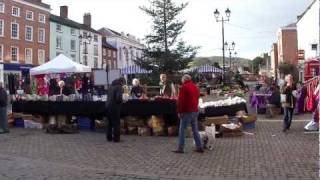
x,y
288,112
113,127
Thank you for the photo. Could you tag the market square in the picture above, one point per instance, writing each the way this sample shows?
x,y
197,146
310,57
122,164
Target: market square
x,y
159,89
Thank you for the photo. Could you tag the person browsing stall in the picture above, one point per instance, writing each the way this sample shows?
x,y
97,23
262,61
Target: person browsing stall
x,y
167,88
136,90
187,107
113,107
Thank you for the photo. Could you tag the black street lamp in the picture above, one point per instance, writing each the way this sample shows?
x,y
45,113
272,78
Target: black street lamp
x,y
85,39
222,20
230,48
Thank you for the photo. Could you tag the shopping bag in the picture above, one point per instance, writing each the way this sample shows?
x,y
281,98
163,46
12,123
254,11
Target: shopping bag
x,y
283,98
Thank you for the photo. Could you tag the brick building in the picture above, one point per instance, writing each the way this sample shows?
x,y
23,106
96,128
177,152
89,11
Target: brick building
x,y
109,55
288,44
24,38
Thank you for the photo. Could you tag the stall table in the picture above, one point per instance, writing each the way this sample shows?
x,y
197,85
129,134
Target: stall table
x,y
91,108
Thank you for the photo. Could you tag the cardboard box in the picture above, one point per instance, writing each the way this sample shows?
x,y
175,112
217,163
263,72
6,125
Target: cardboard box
x,y
144,131
38,119
218,120
248,119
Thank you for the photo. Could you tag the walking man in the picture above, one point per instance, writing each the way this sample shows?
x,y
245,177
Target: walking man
x,y
3,110
113,106
188,113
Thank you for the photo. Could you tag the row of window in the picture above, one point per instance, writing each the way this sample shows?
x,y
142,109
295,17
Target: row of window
x,y
15,29
28,54
16,12
59,43
59,29
109,53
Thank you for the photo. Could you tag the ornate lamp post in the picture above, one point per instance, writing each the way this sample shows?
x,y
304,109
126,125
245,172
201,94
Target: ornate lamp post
x,y
230,48
222,20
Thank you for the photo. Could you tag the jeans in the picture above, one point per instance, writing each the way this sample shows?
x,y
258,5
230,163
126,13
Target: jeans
x,y
3,119
113,128
186,119
288,112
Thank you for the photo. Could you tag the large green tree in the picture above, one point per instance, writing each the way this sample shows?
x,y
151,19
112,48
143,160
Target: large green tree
x,y
165,51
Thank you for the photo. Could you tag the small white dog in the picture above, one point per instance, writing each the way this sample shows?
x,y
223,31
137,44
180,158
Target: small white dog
x,y
207,137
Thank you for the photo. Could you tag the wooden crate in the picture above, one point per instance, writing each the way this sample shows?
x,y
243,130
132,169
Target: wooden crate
x,y
217,120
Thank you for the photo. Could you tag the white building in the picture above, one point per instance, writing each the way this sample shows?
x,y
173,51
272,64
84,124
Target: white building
x,y
308,30
308,27
128,46
90,44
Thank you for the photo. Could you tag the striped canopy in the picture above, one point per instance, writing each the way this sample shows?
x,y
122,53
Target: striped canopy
x,y
134,70
209,69
203,69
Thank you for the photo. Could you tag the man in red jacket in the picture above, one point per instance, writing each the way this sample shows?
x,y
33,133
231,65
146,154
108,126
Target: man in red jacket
x,y
188,112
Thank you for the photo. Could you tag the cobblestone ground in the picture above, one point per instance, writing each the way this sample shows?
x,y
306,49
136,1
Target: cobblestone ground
x,y
266,154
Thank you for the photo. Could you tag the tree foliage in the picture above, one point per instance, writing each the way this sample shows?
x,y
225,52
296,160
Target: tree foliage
x,y
257,63
165,52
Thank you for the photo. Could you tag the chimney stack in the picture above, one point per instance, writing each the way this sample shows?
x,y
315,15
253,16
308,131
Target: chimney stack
x,y
64,11
87,19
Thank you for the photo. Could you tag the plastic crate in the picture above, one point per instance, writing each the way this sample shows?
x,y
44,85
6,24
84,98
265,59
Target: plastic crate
x,y
19,122
85,123
250,125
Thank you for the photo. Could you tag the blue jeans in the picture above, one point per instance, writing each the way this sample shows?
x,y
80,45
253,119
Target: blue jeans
x,y
288,112
186,119
3,119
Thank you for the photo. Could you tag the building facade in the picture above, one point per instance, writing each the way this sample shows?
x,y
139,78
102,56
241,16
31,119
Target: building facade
x,y
64,36
90,44
308,29
274,60
109,55
288,44
24,37
128,47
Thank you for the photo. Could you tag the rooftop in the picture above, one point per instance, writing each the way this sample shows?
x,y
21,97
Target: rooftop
x,y
38,2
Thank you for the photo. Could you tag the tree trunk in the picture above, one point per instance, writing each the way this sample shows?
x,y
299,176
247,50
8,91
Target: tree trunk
x,y
165,25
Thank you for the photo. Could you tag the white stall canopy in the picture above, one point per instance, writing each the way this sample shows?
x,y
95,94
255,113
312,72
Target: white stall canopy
x,y
60,64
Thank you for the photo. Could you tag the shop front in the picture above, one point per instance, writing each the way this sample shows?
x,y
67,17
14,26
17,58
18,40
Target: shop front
x,y
15,76
311,68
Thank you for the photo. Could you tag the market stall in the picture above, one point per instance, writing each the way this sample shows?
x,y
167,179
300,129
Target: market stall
x,y
60,64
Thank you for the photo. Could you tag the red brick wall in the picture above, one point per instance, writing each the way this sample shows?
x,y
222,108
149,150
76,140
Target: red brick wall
x,y
22,43
289,46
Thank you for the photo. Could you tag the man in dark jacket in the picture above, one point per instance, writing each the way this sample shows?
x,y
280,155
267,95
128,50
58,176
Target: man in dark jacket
x,y
113,106
3,110
188,112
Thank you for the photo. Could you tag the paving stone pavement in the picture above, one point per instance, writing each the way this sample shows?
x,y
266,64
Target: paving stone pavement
x,y
267,154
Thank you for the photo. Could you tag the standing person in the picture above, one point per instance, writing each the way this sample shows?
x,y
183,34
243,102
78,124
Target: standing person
x,y
113,106
288,101
3,110
188,113
166,88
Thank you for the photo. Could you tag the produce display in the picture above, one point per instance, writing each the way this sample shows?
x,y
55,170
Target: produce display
x,y
227,102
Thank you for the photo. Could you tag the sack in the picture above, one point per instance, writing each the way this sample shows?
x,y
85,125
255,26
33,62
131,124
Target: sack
x,y
283,98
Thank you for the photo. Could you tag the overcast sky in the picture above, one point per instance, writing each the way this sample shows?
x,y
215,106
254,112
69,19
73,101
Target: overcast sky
x,y
253,23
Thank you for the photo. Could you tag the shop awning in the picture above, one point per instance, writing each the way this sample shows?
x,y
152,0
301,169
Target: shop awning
x,y
203,69
134,70
60,64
